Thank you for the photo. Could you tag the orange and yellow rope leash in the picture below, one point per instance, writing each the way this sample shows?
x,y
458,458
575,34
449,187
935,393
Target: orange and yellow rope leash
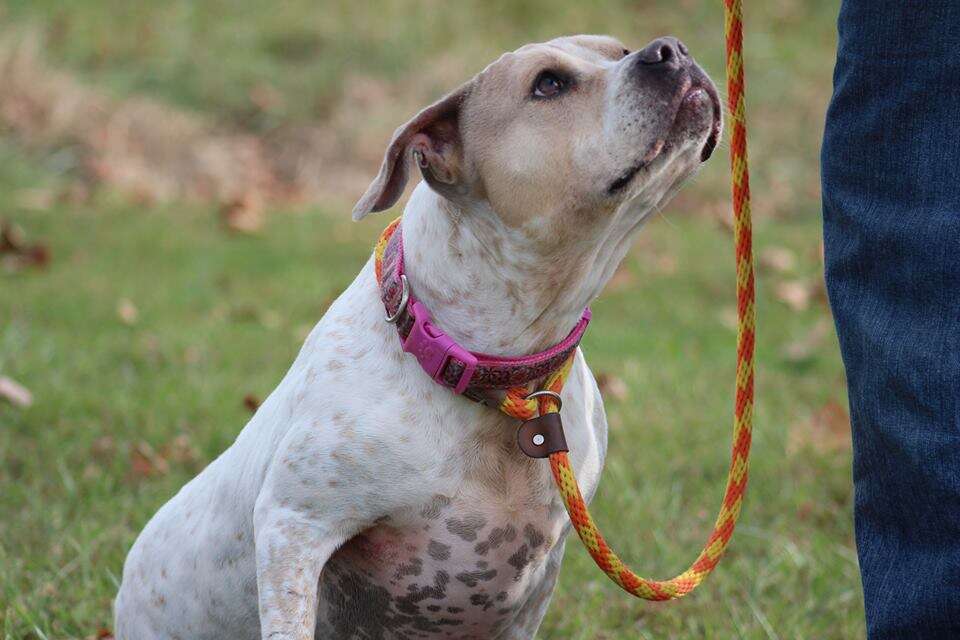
x,y
515,404
518,403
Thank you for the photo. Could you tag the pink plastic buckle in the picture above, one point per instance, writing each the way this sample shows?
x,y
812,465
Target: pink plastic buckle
x,y
434,349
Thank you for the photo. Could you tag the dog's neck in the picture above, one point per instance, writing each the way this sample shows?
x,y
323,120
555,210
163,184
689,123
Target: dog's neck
x,y
490,288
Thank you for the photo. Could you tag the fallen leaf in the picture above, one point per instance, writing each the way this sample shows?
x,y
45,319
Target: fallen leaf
x,y
103,448
15,393
251,402
145,462
778,259
17,254
665,264
11,238
826,431
127,311
243,215
796,294
37,255
612,386
180,450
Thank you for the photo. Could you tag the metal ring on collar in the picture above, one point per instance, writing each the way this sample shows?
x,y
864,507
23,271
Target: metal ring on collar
x,y
549,394
404,298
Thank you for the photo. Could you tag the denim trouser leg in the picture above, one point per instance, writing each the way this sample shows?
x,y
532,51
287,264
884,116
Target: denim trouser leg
x,y
891,203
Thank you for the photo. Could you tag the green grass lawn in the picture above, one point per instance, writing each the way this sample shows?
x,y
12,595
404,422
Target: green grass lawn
x,y
149,328
221,316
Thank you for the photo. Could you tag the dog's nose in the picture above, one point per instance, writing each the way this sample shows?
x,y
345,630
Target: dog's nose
x,y
664,53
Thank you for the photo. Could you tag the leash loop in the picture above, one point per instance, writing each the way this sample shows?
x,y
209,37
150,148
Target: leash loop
x,y
546,393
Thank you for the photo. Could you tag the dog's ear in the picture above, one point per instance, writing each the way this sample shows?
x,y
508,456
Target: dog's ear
x,y
433,138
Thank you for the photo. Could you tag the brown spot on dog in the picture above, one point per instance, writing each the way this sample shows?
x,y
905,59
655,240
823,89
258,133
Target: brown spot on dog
x,y
534,537
438,551
431,511
497,537
473,578
467,528
519,560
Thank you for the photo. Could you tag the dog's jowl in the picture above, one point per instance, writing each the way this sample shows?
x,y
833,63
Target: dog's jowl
x,y
366,499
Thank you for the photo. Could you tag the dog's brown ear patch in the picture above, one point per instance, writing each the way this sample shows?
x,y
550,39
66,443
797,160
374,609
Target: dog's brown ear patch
x,y
433,136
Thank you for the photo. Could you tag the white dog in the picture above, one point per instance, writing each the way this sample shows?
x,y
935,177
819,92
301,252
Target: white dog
x,y
364,500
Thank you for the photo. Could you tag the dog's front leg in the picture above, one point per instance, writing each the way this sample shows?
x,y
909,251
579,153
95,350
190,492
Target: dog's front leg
x,y
291,550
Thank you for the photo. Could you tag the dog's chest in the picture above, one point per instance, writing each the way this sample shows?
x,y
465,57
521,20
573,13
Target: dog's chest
x,y
458,568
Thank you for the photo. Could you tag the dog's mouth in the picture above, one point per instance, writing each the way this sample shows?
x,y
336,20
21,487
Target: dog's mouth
x,y
717,122
689,101
627,176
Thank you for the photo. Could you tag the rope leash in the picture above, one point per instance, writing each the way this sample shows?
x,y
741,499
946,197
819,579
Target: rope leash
x,y
517,405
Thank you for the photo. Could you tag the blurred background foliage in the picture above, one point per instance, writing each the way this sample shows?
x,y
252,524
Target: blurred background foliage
x,y
175,182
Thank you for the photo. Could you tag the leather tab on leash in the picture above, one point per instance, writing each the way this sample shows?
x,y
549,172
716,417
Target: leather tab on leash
x,y
542,436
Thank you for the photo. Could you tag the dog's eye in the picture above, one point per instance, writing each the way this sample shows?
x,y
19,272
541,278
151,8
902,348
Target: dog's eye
x,y
626,52
548,85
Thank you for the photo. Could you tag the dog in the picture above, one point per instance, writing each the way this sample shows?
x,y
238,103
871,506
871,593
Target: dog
x,y
363,499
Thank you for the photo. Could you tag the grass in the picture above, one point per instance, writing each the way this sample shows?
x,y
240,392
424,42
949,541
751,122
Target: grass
x,y
125,412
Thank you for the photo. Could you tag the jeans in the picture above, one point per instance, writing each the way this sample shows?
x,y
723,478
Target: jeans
x,y
891,207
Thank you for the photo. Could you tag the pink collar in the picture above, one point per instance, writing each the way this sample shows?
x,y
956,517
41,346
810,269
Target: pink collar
x,y
444,360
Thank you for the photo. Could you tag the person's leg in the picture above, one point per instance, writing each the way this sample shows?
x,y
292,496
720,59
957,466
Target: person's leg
x,y
891,203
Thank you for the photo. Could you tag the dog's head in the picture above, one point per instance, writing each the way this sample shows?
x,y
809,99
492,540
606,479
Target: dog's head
x,y
564,131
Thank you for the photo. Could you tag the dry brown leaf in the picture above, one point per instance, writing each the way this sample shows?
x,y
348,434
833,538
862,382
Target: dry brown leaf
x,y
243,215
15,393
826,431
778,259
665,264
17,254
796,294
103,448
11,238
127,311
103,634
145,462
180,450
612,386
251,402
